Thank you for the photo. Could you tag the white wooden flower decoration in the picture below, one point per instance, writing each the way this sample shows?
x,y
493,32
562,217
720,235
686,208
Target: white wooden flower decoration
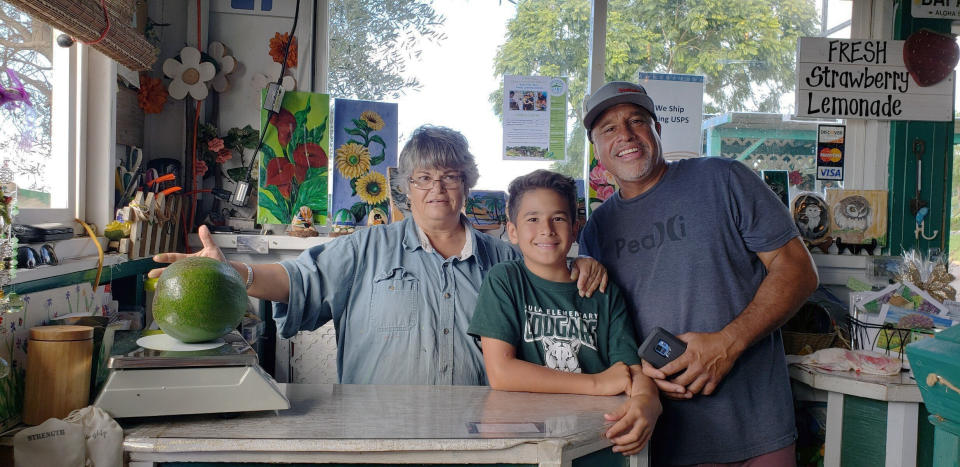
x,y
228,64
261,80
189,74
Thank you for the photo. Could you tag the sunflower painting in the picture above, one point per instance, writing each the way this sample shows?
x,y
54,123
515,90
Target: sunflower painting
x,y
365,133
293,160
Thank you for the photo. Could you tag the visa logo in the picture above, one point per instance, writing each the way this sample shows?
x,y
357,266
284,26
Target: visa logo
x,y
830,173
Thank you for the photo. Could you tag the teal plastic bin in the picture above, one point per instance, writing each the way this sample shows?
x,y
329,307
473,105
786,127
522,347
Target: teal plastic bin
x,y
936,366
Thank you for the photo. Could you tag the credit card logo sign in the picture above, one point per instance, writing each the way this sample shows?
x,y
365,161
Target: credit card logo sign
x,y
662,348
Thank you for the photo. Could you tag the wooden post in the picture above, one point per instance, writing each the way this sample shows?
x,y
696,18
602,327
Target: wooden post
x,y
136,219
148,224
159,216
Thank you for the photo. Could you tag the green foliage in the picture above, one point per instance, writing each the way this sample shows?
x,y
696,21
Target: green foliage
x,y
299,135
275,205
361,210
313,192
371,42
745,48
268,154
237,173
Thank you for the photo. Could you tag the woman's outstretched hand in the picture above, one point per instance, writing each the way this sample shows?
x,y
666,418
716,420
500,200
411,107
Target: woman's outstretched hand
x,y
210,250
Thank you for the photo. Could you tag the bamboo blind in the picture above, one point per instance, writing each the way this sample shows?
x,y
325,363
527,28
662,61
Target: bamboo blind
x,y
83,20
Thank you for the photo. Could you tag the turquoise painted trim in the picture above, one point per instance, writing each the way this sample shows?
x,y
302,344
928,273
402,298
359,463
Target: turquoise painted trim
x,y
135,267
714,143
946,448
862,444
925,437
772,133
753,147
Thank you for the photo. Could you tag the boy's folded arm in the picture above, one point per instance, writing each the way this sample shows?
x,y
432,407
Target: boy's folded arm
x,y
635,420
641,384
507,372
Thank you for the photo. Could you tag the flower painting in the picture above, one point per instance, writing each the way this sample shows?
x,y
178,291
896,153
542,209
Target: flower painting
x,y
366,145
293,159
602,183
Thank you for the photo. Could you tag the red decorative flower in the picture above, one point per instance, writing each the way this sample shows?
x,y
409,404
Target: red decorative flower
x,y
224,155
215,144
199,168
280,173
285,123
795,177
310,155
152,94
277,46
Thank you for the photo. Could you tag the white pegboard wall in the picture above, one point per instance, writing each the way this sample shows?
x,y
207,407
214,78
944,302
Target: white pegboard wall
x,y
313,356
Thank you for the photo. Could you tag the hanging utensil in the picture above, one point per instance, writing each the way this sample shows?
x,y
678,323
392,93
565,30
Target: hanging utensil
x,y
919,147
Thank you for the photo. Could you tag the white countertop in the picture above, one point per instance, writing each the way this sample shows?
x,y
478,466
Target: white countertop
x,y
899,388
370,418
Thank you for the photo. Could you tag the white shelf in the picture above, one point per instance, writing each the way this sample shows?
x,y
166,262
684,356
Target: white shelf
x,y
74,254
66,266
275,242
838,269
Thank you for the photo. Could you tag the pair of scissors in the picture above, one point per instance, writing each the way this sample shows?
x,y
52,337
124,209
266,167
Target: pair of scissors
x,y
127,177
154,182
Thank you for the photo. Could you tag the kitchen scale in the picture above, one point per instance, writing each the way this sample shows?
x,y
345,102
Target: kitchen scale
x,y
227,378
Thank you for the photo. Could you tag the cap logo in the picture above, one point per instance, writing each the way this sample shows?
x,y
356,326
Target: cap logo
x,y
630,90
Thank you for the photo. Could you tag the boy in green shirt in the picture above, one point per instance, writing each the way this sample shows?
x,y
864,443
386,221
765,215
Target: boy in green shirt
x,y
538,334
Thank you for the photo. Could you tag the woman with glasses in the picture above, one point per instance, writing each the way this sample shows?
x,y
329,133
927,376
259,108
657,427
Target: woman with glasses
x,y
400,295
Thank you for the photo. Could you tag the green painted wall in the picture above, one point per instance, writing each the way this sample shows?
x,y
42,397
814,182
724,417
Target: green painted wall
x,y
937,161
863,444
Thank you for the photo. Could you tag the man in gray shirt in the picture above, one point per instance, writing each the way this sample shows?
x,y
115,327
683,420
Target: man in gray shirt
x,y
702,248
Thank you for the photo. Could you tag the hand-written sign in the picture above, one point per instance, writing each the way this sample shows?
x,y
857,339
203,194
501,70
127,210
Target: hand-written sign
x,y
854,78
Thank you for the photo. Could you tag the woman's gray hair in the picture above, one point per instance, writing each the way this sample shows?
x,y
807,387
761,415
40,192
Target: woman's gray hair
x,y
437,147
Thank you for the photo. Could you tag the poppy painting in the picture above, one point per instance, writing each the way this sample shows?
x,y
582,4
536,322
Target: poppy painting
x,y
293,159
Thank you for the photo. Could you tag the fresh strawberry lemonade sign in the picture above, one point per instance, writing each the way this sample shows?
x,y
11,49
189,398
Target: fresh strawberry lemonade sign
x,y
877,79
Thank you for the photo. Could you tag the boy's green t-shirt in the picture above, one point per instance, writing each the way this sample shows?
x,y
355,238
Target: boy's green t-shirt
x,y
550,324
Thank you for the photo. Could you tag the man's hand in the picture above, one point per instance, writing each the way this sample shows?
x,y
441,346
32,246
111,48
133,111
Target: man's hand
x,y
707,360
635,418
612,381
589,274
667,388
210,250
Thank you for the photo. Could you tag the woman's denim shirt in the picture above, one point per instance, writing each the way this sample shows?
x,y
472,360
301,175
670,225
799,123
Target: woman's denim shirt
x,y
400,312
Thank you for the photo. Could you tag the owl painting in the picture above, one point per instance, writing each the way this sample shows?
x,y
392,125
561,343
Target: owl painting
x,y
811,216
852,213
858,216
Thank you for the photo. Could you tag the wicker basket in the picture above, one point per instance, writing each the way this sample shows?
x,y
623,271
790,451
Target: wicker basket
x,y
811,329
804,343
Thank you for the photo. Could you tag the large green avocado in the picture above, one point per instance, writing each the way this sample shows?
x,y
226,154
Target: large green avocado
x,y
199,299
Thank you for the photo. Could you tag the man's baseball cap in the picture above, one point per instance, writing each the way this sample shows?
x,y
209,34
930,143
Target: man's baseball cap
x,y
611,94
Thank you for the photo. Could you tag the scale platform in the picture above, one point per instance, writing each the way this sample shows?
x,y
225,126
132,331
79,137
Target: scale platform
x,y
147,382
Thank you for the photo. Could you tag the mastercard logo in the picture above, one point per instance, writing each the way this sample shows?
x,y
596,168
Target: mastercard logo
x,y
831,155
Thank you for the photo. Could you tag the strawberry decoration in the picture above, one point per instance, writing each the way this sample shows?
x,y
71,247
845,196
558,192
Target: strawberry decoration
x,y
930,56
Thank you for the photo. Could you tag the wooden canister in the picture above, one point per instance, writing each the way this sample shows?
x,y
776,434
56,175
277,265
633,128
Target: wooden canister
x,y
58,372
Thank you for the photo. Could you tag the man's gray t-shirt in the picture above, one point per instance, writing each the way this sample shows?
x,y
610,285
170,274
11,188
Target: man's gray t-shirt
x,y
684,255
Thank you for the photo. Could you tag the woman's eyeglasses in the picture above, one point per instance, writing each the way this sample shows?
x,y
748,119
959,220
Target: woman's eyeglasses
x,y
425,182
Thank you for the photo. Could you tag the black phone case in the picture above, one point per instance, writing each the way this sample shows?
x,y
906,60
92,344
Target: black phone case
x,y
661,347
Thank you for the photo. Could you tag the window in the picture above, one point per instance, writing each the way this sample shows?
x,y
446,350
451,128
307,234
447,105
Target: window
x,y
38,141
438,61
747,53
